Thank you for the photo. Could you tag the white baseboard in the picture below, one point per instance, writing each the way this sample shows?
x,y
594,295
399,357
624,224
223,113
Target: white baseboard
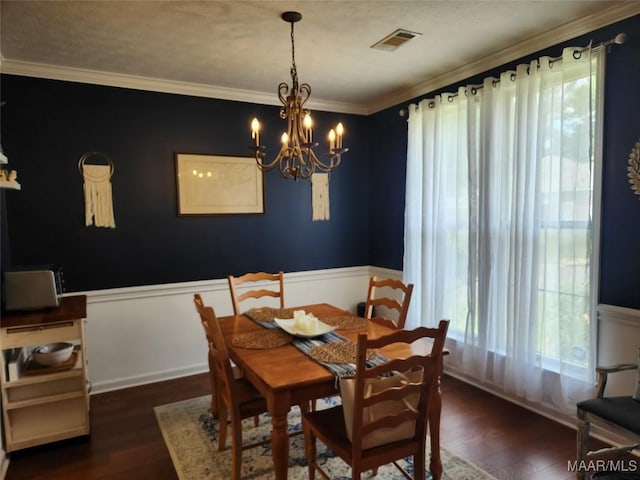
x,y
144,379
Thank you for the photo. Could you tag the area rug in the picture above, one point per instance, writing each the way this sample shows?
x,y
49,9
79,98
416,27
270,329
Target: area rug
x,y
190,433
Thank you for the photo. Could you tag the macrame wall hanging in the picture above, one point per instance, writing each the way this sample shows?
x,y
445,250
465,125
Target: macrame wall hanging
x,y
320,196
98,203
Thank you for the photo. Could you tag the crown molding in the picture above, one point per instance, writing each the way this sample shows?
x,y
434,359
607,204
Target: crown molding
x,y
615,13
95,77
582,26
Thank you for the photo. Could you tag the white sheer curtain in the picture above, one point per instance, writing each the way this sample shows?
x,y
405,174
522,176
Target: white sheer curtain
x,y
499,225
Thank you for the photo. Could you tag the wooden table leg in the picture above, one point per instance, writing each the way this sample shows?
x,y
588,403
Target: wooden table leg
x,y
435,409
280,444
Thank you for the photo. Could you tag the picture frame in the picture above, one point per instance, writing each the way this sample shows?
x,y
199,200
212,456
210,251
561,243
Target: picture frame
x,y
218,185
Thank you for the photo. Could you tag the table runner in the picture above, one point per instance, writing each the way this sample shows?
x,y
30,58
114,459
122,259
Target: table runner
x,y
306,344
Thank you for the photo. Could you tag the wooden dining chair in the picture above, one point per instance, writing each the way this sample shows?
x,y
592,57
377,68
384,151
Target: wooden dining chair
x,y
397,297
275,282
197,300
236,398
392,424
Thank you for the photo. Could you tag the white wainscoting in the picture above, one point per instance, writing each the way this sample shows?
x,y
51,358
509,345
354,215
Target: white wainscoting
x,y
618,342
140,335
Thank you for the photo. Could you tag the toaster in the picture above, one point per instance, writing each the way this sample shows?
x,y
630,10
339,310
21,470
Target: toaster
x,y
33,288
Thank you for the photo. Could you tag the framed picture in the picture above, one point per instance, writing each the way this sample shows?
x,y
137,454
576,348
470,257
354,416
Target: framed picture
x,y
218,185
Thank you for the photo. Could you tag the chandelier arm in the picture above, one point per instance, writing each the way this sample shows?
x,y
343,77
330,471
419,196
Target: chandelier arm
x,y
294,124
335,159
296,127
266,166
308,167
285,169
283,89
305,93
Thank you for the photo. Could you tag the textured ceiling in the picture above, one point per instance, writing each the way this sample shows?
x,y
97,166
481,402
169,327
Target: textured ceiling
x,y
242,49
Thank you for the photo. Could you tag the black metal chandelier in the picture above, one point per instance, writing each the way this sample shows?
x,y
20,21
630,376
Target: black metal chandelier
x,y
296,158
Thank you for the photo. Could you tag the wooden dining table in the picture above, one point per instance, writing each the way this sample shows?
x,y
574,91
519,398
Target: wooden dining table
x,y
286,376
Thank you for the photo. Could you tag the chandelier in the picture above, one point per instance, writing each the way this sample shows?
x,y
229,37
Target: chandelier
x,y
296,158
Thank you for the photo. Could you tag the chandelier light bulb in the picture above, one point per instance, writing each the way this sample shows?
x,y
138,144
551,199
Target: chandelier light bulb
x,y
285,138
332,140
255,130
308,123
339,132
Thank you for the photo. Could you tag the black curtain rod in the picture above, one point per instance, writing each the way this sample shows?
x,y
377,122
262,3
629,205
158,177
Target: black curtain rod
x,y
619,39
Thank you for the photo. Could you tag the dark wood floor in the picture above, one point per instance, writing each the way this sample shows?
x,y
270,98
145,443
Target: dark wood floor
x,y
125,443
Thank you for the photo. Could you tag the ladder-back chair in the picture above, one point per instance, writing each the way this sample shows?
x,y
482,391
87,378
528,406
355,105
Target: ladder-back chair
x,y
388,402
273,287
397,297
237,399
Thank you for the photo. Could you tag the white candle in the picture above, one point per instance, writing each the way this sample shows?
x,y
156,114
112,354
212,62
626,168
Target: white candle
x,y
332,139
308,123
255,131
339,131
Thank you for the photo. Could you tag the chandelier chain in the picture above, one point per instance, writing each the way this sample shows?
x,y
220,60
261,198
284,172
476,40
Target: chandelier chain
x,y
294,70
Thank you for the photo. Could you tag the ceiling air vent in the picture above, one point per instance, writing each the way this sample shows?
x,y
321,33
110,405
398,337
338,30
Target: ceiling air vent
x,y
396,39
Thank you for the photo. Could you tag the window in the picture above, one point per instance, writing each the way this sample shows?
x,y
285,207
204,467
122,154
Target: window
x,y
501,224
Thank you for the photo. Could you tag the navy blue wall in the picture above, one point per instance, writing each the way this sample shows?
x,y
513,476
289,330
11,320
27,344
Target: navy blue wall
x,y
620,240
48,125
388,171
620,259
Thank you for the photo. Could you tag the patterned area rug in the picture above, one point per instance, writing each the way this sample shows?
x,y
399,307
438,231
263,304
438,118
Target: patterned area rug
x,y
191,437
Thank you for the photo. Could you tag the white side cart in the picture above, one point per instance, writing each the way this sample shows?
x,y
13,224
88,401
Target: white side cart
x,y
44,404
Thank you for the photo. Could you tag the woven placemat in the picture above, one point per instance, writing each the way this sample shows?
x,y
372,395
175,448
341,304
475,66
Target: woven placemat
x,y
347,322
262,339
337,352
267,314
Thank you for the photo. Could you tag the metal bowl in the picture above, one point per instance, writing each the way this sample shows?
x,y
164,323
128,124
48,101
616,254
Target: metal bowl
x,y
52,354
